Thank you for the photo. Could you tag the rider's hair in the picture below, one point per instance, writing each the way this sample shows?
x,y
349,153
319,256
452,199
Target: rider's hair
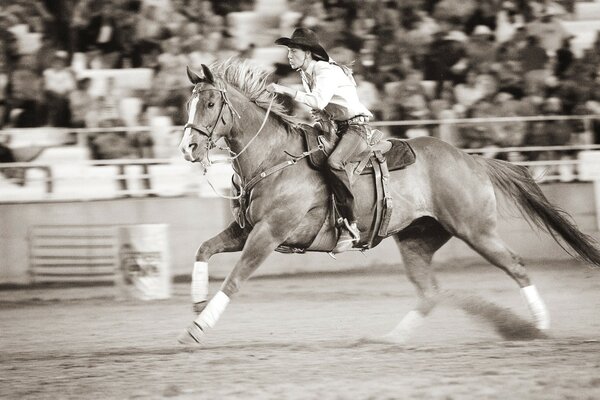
x,y
346,68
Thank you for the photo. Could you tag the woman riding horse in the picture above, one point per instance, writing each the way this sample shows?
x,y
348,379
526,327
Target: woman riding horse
x,y
444,193
331,93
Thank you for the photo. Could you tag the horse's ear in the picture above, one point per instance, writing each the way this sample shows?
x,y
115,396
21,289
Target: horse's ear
x,y
195,79
207,74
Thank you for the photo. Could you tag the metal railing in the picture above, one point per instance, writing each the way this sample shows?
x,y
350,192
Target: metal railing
x,y
122,174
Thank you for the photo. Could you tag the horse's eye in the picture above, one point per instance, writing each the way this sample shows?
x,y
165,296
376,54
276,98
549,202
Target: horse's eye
x,y
211,104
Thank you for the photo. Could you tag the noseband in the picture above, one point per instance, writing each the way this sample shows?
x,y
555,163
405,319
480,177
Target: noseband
x,y
207,130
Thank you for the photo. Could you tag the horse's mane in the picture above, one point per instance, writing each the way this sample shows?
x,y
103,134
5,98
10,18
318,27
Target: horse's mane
x,y
251,80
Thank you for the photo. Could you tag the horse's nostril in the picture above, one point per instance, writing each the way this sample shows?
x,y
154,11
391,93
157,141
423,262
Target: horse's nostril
x,y
193,146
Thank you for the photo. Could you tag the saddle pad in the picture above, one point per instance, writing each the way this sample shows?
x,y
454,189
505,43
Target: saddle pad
x,y
399,156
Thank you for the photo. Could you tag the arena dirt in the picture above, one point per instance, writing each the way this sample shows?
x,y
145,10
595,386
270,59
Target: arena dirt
x,y
302,338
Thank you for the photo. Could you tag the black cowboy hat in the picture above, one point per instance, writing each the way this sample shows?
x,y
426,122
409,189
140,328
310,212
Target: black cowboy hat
x,y
305,39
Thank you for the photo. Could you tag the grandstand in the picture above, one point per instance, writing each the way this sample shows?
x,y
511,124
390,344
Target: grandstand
x,y
117,135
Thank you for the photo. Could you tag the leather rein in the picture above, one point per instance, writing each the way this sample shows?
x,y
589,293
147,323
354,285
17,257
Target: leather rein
x,y
210,144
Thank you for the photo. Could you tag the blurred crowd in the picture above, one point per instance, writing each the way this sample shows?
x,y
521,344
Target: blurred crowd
x,y
413,60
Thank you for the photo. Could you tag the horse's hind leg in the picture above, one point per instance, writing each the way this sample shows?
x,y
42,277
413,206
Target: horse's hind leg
x,y
493,248
417,246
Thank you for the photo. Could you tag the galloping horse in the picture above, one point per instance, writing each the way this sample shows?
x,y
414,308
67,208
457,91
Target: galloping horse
x,y
445,193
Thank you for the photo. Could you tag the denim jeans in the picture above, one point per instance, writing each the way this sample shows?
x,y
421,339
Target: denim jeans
x,y
351,143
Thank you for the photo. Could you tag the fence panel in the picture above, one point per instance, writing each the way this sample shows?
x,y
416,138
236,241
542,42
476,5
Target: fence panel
x,y
73,253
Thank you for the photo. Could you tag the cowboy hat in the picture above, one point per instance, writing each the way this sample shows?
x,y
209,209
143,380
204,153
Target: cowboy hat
x,y
305,39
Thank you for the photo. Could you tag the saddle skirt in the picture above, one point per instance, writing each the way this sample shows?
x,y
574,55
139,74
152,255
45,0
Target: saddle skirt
x,y
397,152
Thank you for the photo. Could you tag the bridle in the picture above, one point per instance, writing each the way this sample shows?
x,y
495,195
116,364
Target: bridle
x,y
207,130
208,133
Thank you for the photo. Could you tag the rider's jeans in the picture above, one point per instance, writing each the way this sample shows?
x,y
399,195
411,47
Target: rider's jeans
x,y
350,145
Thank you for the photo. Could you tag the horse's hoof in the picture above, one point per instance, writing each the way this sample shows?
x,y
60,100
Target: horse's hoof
x,y
192,336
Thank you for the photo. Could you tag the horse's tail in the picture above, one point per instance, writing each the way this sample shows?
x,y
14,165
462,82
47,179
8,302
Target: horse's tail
x,y
518,185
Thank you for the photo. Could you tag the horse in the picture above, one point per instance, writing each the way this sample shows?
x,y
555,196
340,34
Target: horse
x,y
444,193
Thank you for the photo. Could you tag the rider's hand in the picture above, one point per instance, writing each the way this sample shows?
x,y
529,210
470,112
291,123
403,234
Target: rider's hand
x,y
279,89
272,88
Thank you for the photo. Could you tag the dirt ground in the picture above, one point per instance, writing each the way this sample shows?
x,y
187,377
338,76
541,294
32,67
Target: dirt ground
x,y
300,337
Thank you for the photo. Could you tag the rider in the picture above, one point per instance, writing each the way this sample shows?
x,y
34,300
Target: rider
x,y
330,90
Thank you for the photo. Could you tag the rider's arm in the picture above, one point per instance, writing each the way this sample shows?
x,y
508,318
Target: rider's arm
x,y
326,82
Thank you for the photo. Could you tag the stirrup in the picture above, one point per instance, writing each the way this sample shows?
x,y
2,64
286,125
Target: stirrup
x,y
352,229
349,235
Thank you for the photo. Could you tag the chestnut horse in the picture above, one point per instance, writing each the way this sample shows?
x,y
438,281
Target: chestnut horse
x,y
445,193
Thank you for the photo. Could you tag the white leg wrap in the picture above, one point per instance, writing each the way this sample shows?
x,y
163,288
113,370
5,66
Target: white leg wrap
x,y
537,307
200,282
409,323
210,315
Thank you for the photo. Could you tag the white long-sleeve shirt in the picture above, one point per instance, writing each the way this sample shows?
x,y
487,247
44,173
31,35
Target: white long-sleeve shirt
x,y
329,89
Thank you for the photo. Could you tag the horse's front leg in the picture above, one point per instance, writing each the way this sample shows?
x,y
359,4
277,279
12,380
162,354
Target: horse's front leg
x,y
231,239
262,240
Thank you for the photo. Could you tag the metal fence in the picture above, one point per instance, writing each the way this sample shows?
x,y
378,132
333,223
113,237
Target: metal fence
x,y
83,179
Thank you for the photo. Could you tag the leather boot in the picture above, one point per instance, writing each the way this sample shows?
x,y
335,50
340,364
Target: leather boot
x,y
349,234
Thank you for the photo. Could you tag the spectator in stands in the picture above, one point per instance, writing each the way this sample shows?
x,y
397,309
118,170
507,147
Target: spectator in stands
x,y
446,59
411,87
170,87
83,10
81,104
480,47
367,92
26,96
59,81
107,106
564,58
104,34
446,108
202,13
8,43
149,29
509,78
549,133
44,57
550,32
482,135
507,133
508,20
509,50
534,60
469,92
483,15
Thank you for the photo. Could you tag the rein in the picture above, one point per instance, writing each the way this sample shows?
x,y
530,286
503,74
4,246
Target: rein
x,y
269,171
212,144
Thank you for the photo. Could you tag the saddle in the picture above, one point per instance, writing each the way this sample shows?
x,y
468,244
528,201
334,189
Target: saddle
x,y
382,157
398,153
